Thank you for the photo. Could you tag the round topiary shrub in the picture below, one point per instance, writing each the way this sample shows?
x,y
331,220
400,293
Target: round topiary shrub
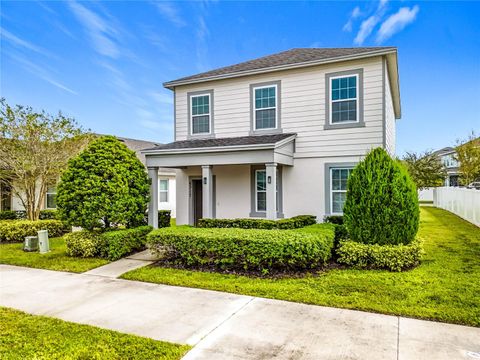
x,y
382,202
104,185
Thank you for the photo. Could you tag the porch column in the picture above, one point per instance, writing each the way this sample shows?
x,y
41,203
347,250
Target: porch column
x,y
271,172
207,191
153,204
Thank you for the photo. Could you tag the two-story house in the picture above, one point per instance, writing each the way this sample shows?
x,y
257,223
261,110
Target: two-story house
x,y
447,157
277,136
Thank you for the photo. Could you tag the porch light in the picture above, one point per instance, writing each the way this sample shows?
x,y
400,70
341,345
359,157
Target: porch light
x,y
205,180
269,179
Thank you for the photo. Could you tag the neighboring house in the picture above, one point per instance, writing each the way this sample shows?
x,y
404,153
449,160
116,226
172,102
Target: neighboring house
x,y
447,157
166,182
278,136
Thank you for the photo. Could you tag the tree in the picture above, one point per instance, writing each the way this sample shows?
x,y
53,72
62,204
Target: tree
x,y
425,169
103,186
34,150
468,157
382,202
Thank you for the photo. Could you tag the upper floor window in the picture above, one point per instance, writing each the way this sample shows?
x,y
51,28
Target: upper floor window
x,y
344,99
200,113
164,190
449,161
51,198
265,107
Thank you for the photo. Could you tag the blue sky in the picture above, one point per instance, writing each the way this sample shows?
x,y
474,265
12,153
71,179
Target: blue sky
x,y
104,63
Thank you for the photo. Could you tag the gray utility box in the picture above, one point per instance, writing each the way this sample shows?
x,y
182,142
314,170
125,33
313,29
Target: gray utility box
x,y
43,242
30,244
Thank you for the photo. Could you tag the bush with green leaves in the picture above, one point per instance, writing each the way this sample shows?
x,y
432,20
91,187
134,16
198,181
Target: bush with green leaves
x,y
8,215
105,185
382,202
48,214
17,230
111,245
290,223
244,249
374,256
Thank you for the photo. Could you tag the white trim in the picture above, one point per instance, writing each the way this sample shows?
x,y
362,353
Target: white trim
x,y
209,114
337,191
46,198
267,108
331,101
256,190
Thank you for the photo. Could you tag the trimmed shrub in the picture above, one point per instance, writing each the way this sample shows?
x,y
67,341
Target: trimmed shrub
x,y
291,223
21,214
83,243
119,243
164,218
382,202
48,215
17,230
105,185
240,249
111,245
390,257
334,219
8,215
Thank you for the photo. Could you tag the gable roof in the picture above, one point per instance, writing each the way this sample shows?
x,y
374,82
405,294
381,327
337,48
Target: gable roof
x,y
298,58
218,143
284,59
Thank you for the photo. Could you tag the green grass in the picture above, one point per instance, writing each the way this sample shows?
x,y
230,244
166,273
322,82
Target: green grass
x,y
56,259
445,287
24,336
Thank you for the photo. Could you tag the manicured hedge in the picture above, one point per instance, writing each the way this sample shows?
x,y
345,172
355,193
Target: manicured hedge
x,y
240,249
164,217
334,219
22,215
111,245
291,223
374,256
17,230
8,215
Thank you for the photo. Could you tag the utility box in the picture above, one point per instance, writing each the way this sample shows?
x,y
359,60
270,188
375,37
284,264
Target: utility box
x,y
43,242
30,244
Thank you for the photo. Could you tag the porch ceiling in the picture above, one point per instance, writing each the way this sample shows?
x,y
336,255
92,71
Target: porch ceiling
x,y
262,149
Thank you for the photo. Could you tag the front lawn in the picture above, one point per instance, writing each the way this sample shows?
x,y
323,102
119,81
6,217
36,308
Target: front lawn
x,y
445,287
24,336
56,259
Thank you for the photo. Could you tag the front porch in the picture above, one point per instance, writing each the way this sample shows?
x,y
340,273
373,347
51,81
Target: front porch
x,y
225,178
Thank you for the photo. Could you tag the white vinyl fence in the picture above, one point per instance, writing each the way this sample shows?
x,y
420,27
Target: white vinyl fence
x,y
460,201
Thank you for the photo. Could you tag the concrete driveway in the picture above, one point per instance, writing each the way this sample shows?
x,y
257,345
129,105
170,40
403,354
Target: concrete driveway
x,y
227,326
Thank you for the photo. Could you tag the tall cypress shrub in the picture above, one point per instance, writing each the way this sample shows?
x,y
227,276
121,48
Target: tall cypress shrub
x,y
382,202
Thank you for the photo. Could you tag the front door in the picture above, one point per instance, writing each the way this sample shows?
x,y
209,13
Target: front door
x,y
197,200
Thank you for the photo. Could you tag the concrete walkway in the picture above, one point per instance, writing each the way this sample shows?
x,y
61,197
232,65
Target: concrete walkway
x,y
226,326
119,267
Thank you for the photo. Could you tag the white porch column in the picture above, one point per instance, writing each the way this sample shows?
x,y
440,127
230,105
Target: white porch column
x,y
153,204
207,191
271,172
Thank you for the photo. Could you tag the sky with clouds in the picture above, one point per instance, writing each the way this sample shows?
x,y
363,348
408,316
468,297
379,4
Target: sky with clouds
x,y
104,63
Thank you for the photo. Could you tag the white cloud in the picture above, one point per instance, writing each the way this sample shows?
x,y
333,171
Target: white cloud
x,y
396,23
41,73
354,14
367,26
170,12
101,32
20,43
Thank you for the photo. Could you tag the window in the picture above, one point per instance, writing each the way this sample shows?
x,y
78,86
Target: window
x,y
5,197
265,107
261,190
201,113
344,99
338,186
51,198
164,190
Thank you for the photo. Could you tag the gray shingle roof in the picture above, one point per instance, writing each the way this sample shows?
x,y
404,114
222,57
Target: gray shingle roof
x,y
285,58
222,142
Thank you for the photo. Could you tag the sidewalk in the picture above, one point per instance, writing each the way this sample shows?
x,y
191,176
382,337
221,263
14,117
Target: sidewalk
x,y
228,326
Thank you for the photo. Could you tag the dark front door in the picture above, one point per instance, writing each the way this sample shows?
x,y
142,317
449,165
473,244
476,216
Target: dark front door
x,y
197,200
